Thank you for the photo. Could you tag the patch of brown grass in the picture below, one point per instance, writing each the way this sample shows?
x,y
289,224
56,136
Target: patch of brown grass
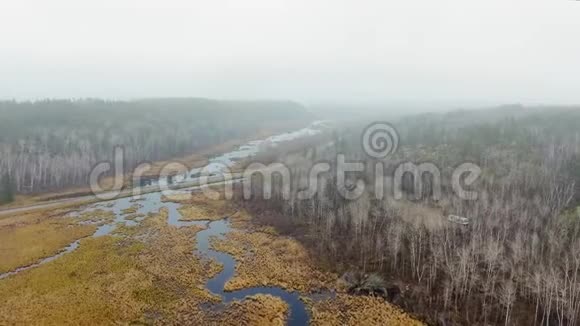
x,y
257,310
96,284
198,207
140,275
131,210
169,255
98,217
347,309
134,216
26,239
268,260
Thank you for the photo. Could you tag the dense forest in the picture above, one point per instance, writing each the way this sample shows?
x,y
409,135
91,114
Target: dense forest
x,y
52,144
517,258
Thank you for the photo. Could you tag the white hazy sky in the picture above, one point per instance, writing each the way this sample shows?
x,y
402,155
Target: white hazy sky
x,y
312,51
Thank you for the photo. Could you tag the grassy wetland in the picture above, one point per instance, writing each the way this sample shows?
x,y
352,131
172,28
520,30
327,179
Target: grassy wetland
x,y
26,239
147,271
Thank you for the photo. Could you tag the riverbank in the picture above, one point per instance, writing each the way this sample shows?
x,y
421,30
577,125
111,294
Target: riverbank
x,y
156,269
191,161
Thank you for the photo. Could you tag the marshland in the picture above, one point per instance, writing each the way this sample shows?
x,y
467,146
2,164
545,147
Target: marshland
x,y
277,162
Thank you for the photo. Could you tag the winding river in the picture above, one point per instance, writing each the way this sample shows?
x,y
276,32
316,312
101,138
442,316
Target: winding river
x,y
152,203
298,314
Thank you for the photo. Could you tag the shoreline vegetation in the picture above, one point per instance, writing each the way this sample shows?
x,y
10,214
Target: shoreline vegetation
x,y
516,260
55,151
190,161
384,261
149,273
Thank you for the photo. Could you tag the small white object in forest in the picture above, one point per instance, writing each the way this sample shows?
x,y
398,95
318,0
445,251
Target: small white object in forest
x,y
458,219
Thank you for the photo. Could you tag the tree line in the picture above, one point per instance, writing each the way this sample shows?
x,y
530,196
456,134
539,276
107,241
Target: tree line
x,y
517,261
53,144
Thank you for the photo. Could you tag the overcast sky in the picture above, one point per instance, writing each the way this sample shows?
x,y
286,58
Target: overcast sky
x,y
484,51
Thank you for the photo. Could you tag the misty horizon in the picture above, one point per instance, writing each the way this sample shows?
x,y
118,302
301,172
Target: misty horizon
x,y
448,53
277,162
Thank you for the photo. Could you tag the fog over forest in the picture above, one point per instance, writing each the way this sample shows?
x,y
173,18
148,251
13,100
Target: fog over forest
x,y
290,162
380,53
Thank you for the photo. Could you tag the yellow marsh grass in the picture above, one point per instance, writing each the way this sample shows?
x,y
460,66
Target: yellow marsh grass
x,y
25,239
257,310
198,207
143,274
268,260
131,210
93,285
357,310
149,274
